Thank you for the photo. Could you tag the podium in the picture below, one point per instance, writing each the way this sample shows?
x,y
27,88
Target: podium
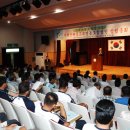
x,y
97,62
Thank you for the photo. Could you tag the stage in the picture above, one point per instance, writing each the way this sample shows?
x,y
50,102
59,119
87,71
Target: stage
x,y
109,70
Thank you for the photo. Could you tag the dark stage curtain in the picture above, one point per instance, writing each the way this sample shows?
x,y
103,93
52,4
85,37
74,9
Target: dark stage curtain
x,y
58,52
115,58
70,51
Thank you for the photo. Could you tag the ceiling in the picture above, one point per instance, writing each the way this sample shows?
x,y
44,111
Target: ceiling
x,y
76,13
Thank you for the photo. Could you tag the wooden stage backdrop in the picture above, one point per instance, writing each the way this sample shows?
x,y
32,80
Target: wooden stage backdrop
x,y
109,70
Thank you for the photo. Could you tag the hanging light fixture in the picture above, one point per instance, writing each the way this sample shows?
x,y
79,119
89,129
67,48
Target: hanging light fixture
x,y
26,5
46,2
37,3
16,8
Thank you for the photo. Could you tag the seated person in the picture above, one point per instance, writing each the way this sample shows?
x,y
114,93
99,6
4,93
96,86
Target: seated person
x,y
52,79
62,95
116,91
94,93
112,81
3,89
105,110
12,83
104,82
48,110
37,86
95,74
22,99
107,93
75,90
125,78
9,124
126,114
125,95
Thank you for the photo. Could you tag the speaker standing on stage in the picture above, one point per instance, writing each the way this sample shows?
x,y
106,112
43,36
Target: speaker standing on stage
x,y
100,51
47,63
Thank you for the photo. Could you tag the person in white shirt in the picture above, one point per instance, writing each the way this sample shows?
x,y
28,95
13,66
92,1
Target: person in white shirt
x,y
123,81
104,82
37,86
112,81
116,90
23,100
62,96
126,114
75,90
94,92
48,109
105,110
52,79
95,74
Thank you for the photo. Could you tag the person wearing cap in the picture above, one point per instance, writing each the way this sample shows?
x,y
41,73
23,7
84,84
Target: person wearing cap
x,y
94,93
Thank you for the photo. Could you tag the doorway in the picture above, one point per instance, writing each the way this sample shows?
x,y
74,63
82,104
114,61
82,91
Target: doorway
x,y
13,57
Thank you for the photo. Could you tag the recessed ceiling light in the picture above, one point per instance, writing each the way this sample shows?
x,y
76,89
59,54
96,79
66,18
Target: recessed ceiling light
x,y
33,17
69,0
58,11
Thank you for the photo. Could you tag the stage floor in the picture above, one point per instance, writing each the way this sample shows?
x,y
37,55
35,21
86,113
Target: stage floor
x,y
109,70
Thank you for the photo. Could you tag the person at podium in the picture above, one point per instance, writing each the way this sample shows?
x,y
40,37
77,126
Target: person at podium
x,y
100,52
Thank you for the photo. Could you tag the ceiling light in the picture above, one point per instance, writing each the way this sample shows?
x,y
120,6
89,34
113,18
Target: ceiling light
x,y
37,3
26,5
33,17
58,11
46,2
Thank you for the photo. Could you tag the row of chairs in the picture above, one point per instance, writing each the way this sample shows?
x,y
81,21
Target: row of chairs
x,y
29,119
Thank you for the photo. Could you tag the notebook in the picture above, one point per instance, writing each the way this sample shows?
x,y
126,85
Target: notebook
x,y
72,116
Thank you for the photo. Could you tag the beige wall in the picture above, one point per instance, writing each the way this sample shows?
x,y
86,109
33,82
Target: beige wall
x,y
50,49
11,33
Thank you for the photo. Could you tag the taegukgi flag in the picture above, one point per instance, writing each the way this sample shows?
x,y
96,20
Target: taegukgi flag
x,y
116,45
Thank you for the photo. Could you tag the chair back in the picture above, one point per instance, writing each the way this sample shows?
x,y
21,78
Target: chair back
x,y
11,114
120,108
46,89
123,124
33,96
86,100
57,126
41,96
40,122
80,110
24,117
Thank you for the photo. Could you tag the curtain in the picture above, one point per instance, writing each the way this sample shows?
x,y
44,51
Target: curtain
x,y
115,58
70,51
58,52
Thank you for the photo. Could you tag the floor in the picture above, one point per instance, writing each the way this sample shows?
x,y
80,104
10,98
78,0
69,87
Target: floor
x,y
109,70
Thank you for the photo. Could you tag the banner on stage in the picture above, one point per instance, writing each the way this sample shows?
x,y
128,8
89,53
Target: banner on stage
x,y
116,45
94,31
